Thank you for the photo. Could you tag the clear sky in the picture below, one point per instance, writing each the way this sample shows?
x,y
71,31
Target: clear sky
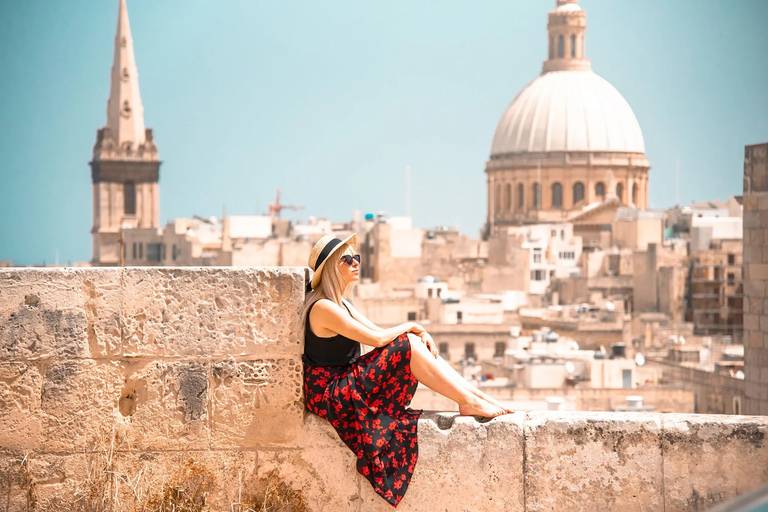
x,y
331,100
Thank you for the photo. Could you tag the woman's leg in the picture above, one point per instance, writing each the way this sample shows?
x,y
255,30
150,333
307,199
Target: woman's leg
x,y
451,371
432,374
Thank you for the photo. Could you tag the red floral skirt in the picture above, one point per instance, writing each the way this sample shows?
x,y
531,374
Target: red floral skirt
x,y
366,404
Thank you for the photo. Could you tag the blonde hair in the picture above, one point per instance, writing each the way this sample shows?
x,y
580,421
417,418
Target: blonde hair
x,y
331,285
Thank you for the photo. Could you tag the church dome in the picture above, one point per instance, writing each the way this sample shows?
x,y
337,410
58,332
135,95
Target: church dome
x,y
568,110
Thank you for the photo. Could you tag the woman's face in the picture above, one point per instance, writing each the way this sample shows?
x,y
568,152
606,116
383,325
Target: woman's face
x,y
350,272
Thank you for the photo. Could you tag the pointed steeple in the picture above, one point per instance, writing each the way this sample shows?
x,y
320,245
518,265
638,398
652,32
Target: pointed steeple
x,y
124,135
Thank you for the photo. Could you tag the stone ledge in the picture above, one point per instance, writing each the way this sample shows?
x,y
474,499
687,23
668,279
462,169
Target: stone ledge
x,y
520,462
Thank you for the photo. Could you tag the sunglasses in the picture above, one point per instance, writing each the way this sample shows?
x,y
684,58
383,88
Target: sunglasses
x,y
348,259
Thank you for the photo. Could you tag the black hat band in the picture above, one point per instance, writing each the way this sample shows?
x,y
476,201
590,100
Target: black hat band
x,y
329,247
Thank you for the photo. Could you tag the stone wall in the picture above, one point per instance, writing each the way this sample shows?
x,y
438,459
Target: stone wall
x,y
138,389
756,278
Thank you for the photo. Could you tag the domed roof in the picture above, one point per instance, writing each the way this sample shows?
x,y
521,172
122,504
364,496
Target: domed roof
x,y
568,111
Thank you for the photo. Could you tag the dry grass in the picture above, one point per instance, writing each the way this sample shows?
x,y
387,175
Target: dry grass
x,y
274,495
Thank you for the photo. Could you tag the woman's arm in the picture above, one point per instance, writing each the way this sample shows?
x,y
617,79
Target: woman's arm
x,y
328,315
362,318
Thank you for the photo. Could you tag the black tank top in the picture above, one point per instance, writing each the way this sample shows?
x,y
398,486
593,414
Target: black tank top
x,y
334,351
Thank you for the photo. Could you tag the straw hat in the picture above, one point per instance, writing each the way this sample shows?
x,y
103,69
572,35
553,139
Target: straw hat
x,y
322,252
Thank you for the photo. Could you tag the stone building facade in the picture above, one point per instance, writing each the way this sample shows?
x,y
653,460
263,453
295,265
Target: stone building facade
x,y
569,139
756,278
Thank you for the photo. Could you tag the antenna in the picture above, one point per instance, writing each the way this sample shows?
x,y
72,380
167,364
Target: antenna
x,y
408,191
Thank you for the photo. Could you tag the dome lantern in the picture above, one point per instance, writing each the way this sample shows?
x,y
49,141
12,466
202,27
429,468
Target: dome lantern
x,y
566,27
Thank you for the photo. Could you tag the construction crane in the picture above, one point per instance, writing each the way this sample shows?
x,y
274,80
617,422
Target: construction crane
x,y
275,208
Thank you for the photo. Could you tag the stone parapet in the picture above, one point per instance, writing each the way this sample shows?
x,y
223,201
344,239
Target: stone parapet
x,y
137,389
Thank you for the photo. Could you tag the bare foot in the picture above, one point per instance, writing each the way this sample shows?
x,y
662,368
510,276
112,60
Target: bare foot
x,y
489,398
475,406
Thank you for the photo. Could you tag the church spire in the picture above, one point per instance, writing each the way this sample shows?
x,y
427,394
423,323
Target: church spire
x,y
125,112
566,27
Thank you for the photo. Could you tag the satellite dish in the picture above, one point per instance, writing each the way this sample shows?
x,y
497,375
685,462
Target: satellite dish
x,y
639,359
570,367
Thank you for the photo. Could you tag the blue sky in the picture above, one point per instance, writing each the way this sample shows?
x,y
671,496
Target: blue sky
x,y
330,101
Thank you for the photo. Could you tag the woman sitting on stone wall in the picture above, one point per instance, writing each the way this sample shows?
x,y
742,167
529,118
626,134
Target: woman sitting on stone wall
x,y
365,397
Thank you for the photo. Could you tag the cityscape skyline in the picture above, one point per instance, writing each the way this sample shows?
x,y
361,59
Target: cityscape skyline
x,y
430,100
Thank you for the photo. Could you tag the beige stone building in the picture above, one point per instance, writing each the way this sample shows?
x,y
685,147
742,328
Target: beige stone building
x,y
569,139
756,278
125,168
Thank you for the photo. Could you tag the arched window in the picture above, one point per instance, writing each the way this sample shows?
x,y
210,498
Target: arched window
x,y
520,195
620,192
129,198
600,190
573,46
536,195
497,198
560,47
508,199
557,195
578,193
634,194
551,47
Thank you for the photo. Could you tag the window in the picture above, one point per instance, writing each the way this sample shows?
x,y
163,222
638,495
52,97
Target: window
x,y
508,199
439,290
154,252
499,348
553,234
129,198
520,195
560,47
573,46
443,349
538,275
174,252
557,195
411,316
731,259
567,255
469,351
459,317
551,47
537,255
578,193
134,250
620,192
634,193
600,190
731,277
162,255
562,234
497,199
536,195
429,293
141,251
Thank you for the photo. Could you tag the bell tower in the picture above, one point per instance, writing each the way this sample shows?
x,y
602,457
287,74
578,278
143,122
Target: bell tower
x,y
125,168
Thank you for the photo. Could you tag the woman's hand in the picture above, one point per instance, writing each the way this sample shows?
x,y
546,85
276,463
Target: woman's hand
x,y
416,329
429,342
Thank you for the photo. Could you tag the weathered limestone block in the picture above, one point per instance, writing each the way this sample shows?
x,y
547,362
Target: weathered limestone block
x,y
79,400
166,404
14,488
114,480
322,469
709,459
20,388
256,403
258,310
593,461
469,466
63,313
211,312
